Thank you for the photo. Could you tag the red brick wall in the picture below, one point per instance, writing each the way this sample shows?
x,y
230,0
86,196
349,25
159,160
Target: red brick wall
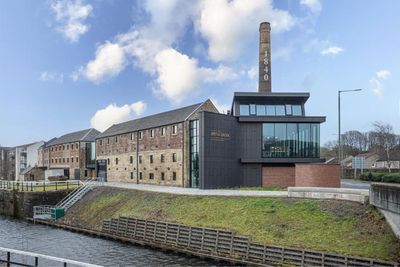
x,y
317,175
282,176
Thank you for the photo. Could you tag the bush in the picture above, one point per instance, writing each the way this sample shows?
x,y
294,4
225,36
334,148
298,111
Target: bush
x,y
372,176
391,178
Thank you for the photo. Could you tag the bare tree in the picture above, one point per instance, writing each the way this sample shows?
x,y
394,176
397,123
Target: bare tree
x,y
385,139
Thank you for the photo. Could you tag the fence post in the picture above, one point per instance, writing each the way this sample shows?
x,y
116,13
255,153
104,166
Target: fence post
x,y
56,186
44,186
216,242
231,248
67,185
323,259
202,239
190,237
8,258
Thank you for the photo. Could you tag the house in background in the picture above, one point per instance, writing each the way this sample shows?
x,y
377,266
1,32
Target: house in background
x,y
7,163
26,158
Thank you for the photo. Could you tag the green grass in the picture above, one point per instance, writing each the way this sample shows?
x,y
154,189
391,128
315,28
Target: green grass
x,y
332,226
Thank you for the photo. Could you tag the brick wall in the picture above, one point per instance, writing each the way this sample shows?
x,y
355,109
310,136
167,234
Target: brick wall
x,y
317,175
278,176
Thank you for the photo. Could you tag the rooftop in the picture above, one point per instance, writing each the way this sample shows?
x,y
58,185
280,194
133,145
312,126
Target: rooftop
x,y
88,135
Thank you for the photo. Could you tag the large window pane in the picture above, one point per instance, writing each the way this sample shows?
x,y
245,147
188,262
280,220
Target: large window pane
x,y
280,110
296,110
271,110
292,139
288,110
268,140
280,148
244,110
261,110
252,109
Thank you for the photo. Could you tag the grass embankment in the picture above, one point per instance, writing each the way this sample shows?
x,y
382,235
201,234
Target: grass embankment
x,y
333,226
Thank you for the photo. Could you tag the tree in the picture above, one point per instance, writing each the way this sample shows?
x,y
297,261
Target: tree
x,y
385,139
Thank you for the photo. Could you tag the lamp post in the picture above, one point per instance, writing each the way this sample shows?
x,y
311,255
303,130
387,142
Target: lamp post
x,y
340,134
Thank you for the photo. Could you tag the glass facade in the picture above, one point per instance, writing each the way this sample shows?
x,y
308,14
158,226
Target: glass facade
x,y
91,155
194,153
290,140
270,110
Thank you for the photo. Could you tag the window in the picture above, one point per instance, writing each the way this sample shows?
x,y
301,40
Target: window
x,y
244,110
76,159
260,109
140,176
290,140
77,145
270,110
280,110
131,175
86,173
289,110
116,161
52,161
131,159
151,176
51,149
174,176
151,158
297,110
72,159
132,136
101,142
163,131
72,146
108,161
151,131
63,147
116,139
67,160
174,129
174,157
108,141
162,158
162,176
140,159
63,160
140,135
252,109
67,147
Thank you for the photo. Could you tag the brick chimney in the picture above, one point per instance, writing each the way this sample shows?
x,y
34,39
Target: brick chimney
x,y
264,59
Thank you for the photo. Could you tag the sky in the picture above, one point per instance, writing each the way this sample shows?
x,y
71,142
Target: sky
x,y
71,65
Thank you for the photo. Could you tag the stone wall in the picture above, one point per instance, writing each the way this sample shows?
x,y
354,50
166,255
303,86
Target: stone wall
x,y
20,204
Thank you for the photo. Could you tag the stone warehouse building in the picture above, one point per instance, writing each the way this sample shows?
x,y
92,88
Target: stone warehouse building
x,y
153,150
7,163
71,155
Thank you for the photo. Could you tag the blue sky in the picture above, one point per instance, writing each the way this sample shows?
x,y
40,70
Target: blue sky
x,y
70,65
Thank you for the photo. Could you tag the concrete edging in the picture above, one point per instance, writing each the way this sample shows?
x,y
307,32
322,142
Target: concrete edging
x,y
356,195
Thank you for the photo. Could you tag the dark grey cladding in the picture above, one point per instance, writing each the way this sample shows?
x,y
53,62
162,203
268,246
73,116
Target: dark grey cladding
x,y
156,120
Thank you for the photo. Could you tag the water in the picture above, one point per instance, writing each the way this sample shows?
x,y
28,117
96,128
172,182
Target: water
x,y
60,243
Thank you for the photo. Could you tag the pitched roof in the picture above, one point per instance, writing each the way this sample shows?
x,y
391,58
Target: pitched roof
x,y
156,120
88,135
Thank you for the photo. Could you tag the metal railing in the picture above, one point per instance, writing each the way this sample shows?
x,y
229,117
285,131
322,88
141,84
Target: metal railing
x,y
42,212
14,257
25,186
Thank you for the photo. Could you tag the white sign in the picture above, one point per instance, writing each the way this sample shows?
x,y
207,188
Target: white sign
x,y
266,67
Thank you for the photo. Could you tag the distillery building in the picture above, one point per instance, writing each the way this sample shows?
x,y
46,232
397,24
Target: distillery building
x,y
265,140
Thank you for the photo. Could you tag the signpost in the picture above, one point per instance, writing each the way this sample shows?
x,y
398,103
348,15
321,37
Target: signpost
x,y
358,163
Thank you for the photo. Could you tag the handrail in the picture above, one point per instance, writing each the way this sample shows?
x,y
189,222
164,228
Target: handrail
x,y
82,183
87,182
37,256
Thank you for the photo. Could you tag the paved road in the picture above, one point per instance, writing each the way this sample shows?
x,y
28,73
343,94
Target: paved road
x,y
355,184
197,192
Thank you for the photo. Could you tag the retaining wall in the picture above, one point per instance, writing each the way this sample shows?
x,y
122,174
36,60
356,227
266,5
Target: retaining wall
x,y
357,195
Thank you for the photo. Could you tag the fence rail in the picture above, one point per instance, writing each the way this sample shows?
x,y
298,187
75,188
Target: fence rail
x,y
13,257
38,186
227,244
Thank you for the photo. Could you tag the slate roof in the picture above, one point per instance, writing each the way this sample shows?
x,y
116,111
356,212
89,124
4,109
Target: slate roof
x,y
88,135
156,120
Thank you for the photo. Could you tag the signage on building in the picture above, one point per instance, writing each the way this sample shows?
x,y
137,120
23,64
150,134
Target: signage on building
x,y
219,136
266,63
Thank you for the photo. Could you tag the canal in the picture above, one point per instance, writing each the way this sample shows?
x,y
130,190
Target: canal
x,y
25,236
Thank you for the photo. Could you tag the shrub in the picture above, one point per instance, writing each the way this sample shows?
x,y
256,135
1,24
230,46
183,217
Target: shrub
x,y
372,176
391,178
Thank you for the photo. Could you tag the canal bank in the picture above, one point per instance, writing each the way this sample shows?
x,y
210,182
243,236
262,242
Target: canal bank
x,y
330,226
26,236
19,204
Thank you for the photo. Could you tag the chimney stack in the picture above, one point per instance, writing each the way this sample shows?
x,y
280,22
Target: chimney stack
x,y
264,59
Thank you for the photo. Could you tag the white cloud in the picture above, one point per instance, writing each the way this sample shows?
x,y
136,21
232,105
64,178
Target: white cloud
x,y
71,15
226,24
383,74
47,76
222,108
110,61
252,72
314,5
113,114
332,50
377,86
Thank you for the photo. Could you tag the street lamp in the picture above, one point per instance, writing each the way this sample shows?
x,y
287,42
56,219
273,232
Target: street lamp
x,y
340,135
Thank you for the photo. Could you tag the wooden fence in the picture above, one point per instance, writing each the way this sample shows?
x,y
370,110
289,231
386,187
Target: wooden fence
x,y
226,244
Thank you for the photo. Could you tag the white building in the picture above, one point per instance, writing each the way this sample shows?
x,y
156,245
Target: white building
x,y
26,156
